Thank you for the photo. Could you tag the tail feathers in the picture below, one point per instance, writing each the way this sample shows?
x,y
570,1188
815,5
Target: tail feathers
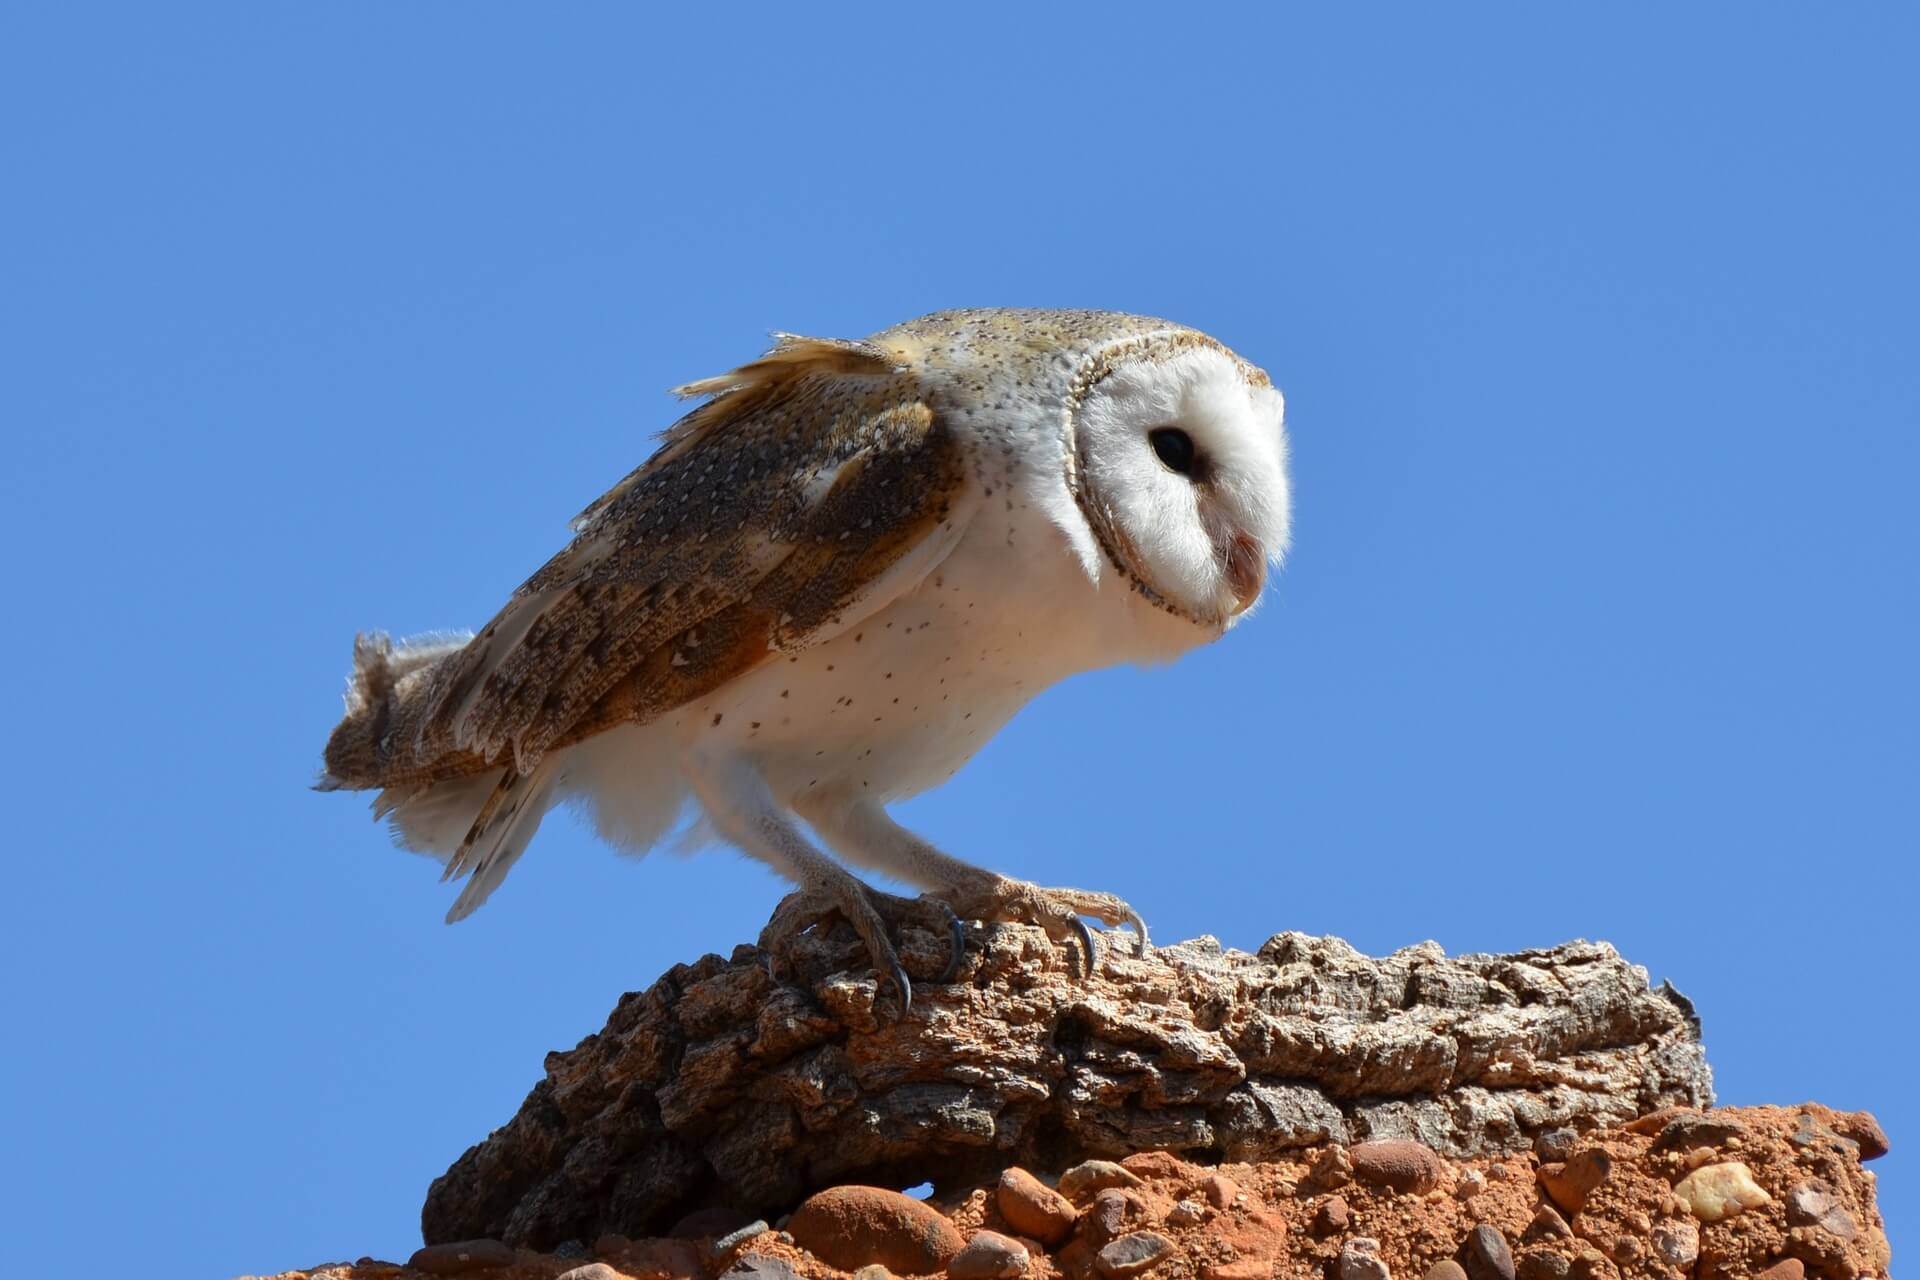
x,y
385,694
505,825
435,818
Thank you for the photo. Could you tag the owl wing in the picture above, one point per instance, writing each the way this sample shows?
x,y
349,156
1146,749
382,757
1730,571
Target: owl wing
x,y
814,487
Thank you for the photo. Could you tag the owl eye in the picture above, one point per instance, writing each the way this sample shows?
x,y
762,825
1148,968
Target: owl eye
x,y
1173,447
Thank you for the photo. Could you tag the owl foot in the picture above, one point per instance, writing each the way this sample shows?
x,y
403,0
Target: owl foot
x,y
1058,911
872,914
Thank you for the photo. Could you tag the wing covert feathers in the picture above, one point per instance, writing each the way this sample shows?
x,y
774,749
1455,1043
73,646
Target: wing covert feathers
x,y
816,482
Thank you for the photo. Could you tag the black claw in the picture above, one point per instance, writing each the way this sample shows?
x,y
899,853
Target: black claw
x,y
1088,941
959,950
902,984
1140,935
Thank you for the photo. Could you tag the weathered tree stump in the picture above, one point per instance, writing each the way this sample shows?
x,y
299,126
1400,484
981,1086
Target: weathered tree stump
x,y
721,1085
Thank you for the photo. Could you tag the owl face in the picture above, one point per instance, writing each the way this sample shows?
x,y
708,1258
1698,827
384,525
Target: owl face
x,y
1178,462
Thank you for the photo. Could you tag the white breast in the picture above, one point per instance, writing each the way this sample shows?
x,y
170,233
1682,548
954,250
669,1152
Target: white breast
x,y
895,704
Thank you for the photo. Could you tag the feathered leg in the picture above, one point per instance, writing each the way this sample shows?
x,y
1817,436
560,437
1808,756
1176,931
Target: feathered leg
x,y
744,811
860,830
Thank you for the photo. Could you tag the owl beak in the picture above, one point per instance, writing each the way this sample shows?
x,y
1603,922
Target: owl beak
x,y
1246,569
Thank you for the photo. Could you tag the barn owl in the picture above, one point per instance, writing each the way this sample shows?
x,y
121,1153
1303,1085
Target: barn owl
x,y
836,578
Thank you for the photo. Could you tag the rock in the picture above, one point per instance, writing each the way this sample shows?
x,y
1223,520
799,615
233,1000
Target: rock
x,y
1114,1212
725,1246
1677,1243
610,1244
758,1266
1033,1208
1219,1190
1785,1269
1131,1254
1813,1204
988,1256
1395,1162
848,1227
1333,1170
1593,1265
1360,1260
1484,1254
1717,1191
1470,1183
1697,1129
1092,1176
1238,1269
1157,1164
591,1271
1543,1264
460,1257
1332,1217
1187,1213
1546,1225
1866,1131
1553,1146
1446,1269
873,1271
1569,1184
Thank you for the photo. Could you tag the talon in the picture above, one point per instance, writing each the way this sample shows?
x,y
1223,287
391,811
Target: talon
x,y
1092,945
898,976
1140,934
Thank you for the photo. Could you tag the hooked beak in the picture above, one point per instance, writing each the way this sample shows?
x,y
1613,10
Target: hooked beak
x,y
1245,564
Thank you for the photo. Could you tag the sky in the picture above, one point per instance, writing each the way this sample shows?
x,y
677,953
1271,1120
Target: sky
x,y
1598,332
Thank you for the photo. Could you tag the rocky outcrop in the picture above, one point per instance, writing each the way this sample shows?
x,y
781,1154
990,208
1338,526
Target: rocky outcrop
x,y
1682,1194
721,1087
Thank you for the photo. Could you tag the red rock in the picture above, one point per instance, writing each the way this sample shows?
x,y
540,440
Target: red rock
x,y
1033,1208
1398,1163
1865,1130
1569,1184
1332,1217
461,1257
1546,1225
1219,1190
848,1227
1238,1269
1446,1269
989,1256
1091,1176
1785,1269
1542,1263
1157,1164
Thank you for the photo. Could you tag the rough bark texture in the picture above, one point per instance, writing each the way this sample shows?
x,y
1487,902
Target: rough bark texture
x,y
720,1086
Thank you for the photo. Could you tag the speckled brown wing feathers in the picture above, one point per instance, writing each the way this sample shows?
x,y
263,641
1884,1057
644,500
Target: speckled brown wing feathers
x,y
766,514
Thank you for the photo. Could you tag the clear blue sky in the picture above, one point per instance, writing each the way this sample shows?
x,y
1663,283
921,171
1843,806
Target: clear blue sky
x,y
1599,336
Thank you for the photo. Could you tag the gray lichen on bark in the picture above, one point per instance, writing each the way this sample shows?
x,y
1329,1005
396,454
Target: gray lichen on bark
x,y
722,1085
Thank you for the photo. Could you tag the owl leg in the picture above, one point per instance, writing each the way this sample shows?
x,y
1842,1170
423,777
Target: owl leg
x,y
744,811
862,832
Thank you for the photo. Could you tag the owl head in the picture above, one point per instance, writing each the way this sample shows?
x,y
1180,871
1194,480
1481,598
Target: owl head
x,y
1173,449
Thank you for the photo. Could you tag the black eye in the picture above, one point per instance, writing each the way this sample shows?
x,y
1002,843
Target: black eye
x,y
1173,447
